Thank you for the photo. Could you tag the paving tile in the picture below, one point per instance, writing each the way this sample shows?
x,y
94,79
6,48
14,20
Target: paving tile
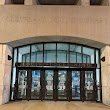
x,y
51,105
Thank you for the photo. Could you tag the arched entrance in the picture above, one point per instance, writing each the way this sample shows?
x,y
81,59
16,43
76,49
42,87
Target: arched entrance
x,y
56,71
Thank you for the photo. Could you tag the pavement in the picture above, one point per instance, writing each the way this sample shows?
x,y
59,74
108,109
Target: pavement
x,y
51,105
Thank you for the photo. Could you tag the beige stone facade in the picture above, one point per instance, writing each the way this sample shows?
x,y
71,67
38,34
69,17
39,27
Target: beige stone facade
x,y
22,24
5,73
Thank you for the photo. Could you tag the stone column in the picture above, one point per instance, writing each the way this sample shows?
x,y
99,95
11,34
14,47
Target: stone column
x,y
79,2
109,2
105,74
2,2
31,2
105,2
5,73
85,2
8,1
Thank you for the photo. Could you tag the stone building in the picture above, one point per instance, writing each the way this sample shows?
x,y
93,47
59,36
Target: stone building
x,y
55,50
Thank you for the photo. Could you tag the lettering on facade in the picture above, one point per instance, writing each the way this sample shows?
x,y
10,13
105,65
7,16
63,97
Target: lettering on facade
x,y
55,19
81,65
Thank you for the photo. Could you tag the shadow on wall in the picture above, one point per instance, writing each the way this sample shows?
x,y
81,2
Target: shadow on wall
x,y
70,39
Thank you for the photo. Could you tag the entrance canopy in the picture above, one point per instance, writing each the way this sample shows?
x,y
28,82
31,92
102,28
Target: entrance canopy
x,y
71,39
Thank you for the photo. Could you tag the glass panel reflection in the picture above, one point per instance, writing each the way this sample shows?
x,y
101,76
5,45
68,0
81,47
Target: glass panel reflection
x,y
50,52
24,54
89,85
35,90
75,84
22,84
62,52
98,84
62,94
89,52
37,53
49,74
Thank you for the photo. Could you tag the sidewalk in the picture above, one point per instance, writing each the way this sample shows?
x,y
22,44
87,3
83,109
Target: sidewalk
x,y
51,105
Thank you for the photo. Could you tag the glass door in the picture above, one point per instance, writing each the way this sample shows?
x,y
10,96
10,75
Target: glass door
x,y
75,86
22,84
49,84
35,84
62,85
89,85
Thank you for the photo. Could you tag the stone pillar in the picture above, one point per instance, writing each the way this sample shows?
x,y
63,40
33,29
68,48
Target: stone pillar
x,y
105,2
31,2
105,74
8,1
5,73
79,2
85,2
109,2
2,2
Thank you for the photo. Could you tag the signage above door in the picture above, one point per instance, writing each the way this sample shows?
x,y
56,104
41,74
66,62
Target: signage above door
x,y
80,65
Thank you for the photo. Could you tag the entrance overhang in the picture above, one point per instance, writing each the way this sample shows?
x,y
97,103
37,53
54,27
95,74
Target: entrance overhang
x,y
70,39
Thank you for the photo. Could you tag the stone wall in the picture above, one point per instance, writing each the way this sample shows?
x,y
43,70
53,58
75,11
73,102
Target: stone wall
x,y
86,22
105,73
5,73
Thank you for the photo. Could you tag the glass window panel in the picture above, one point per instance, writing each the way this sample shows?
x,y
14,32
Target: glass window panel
x,y
99,95
98,77
50,46
75,84
49,77
62,88
23,51
79,58
13,83
23,58
35,87
50,56
97,59
50,52
22,84
39,56
14,77
33,57
89,85
84,59
28,58
72,57
62,57
37,53
88,59
62,52
62,46
75,48
15,57
90,52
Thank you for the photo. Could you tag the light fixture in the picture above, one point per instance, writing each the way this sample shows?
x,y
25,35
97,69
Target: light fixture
x,y
103,59
9,57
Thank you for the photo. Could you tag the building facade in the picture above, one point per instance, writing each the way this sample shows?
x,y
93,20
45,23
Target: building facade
x,y
54,50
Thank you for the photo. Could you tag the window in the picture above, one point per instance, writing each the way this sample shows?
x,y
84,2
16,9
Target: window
x,y
24,54
37,53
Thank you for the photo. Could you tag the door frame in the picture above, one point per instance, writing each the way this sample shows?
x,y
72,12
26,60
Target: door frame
x,y
55,81
94,85
27,86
